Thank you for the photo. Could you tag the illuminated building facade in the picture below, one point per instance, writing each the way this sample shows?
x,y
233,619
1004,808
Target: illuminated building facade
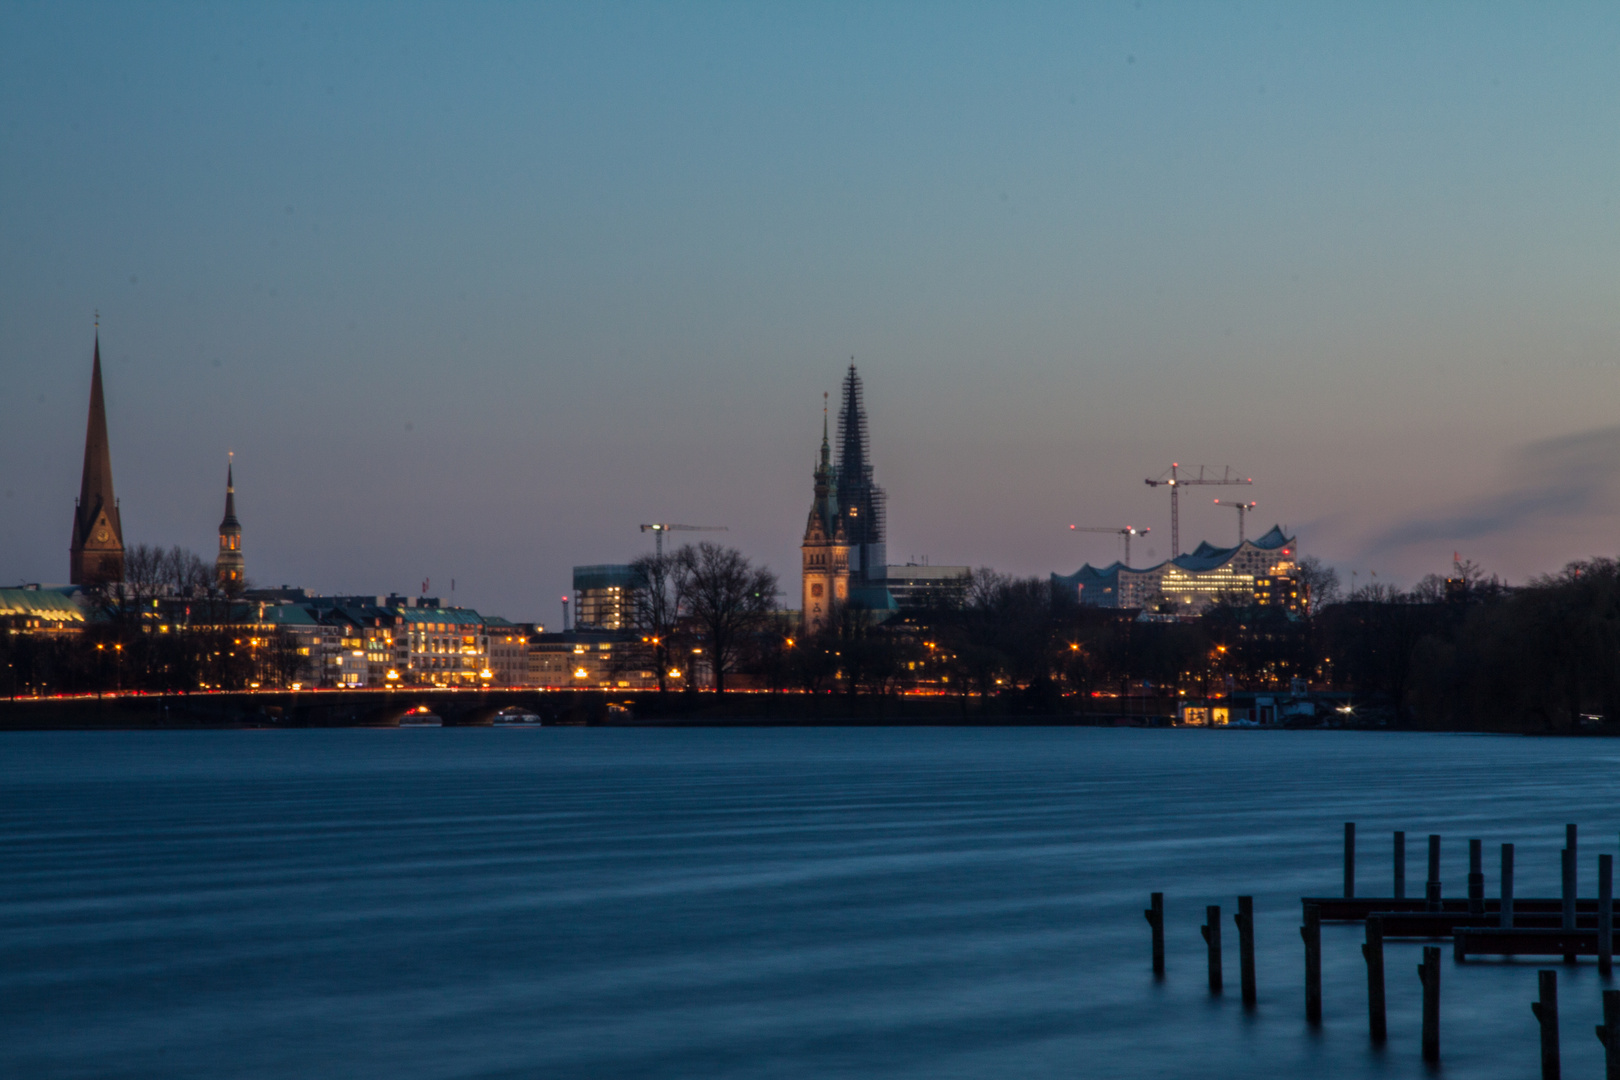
x,y
390,641
1285,591
36,610
1194,581
508,649
442,646
824,553
604,596
591,659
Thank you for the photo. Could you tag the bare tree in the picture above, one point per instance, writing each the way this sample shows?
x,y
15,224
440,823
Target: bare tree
x,y
727,598
656,608
188,575
1321,582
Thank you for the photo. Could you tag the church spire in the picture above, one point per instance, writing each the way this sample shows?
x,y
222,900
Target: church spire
x,y
228,565
96,554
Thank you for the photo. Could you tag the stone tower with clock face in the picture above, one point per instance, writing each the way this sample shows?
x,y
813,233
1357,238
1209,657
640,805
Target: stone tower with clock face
x,y
228,564
825,550
96,556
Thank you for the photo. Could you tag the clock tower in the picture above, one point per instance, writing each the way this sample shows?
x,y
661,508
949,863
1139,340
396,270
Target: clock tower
x,y
96,555
825,549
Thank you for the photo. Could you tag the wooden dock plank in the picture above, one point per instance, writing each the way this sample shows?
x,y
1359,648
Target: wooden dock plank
x,y
1468,941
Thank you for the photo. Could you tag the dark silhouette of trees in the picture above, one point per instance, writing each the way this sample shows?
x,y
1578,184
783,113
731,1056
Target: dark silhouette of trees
x,y
656,609
728,601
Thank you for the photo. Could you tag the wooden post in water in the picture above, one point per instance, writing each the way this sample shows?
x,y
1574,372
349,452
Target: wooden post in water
x,y
1400,865
1476,877
1432,887
1429,975
1349,858
1212,934
1373,950
1507,886
1245,924
1312,933
1608,1034
1155,918
1546,1011
1569,894
1605,914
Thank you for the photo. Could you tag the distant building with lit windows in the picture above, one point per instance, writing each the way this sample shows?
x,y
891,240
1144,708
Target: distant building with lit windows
x,y
604,596
393,641
1285,591
1194,581
34,609
592,659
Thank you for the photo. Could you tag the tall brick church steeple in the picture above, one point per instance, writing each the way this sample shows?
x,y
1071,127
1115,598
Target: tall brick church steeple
x,y
96,555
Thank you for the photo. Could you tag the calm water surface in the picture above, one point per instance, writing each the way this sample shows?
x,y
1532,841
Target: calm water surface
x,y
758,903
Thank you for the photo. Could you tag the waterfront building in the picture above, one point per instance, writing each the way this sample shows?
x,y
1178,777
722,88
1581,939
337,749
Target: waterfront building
x,y
1190,583
442,646
96,555
604,596
508,651
592,659
228,564
391,640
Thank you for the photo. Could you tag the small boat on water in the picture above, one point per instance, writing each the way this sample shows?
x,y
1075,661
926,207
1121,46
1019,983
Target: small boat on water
x,y
516,717
420,718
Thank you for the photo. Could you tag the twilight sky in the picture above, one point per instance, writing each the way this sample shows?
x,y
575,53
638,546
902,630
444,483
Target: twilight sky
x,y
472,291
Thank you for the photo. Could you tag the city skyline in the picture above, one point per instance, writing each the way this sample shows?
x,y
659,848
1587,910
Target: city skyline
x,y
497,295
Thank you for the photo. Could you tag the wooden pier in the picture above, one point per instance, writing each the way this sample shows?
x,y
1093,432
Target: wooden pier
x,y
1504,926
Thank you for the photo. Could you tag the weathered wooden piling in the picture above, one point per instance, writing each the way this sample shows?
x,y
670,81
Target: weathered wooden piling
x,y
1212,935
1507,886
1608,1034
1311,932
1373,950
1400,866
1245,925
1349,858
1429,975
1605,914
1568,855
1546,1011
1155,918
1476,877
1432,886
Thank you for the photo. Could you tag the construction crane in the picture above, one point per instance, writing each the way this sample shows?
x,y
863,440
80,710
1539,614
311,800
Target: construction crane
x,y
1242,508
661,528
1126,533
1172,479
